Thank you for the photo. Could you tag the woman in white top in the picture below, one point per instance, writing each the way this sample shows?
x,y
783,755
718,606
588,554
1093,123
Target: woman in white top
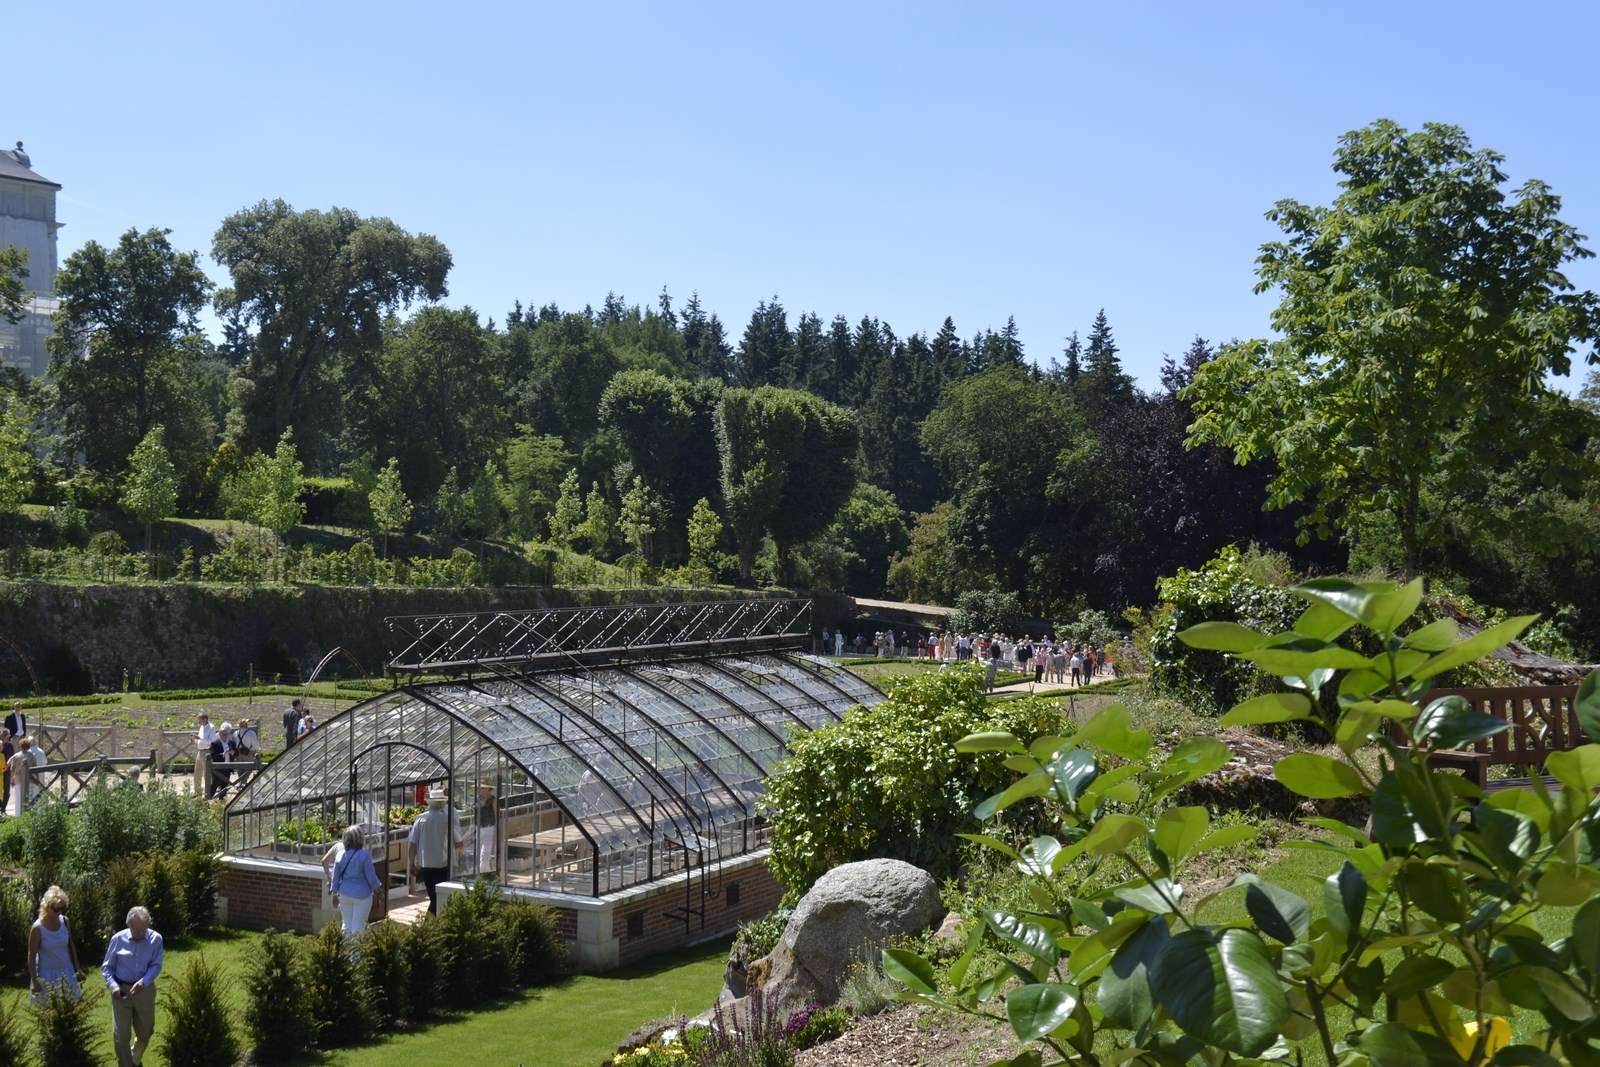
x,y
17,773
52,957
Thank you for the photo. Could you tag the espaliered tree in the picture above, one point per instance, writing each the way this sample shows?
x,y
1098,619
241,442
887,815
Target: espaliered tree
x,y
787,467
1420,315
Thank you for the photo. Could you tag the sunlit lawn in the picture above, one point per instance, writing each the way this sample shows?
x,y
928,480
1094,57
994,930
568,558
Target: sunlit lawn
x,y
575,1024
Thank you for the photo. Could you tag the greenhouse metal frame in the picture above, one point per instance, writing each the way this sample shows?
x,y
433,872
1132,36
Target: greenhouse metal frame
x,y
583,751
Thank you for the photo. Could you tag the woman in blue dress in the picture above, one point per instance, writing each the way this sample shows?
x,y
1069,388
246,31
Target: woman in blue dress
x,y
52,957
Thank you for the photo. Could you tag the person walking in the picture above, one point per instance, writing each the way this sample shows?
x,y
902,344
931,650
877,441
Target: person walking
x,y
133,960
204,735
1076,663
291,721
430,841
52,957
18,773
354,881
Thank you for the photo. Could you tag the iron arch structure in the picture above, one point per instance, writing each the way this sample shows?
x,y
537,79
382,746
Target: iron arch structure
x,y
583,751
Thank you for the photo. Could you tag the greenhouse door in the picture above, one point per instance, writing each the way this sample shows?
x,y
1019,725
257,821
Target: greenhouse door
x,y
388,785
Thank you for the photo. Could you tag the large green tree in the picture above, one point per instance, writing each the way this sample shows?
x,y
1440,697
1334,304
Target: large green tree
x,y
150,492
121,354
787,467
1419,316
667,427
13,269
315,287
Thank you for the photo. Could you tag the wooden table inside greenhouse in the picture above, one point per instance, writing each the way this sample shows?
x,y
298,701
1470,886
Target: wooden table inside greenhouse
x,y
547,843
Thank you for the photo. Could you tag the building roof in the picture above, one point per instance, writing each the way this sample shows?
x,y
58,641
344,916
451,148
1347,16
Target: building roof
x,y
15,164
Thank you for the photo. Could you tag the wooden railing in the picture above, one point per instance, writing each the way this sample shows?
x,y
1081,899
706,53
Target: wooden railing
x,y
76,742
70,779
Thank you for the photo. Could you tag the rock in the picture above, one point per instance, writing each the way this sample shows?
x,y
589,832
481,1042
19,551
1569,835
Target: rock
x,y
849,913
949,932
734,983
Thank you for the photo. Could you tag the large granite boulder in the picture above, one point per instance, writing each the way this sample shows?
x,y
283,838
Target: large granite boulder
x,y
850,913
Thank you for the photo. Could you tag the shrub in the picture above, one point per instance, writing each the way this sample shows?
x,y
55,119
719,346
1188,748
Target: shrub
x,y
761,1042
474,962
987,610
90,920
1421,938
121,882
161,893
536,952
68,1028
16,919
45,832
814,1024
335,994
107,543
424,967
198,1028
120,820
866,990
196,871
13,1032
382,960
276,1015
886,781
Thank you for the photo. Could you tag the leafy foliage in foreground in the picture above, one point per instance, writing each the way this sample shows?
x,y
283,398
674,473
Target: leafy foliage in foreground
x,y
1423,934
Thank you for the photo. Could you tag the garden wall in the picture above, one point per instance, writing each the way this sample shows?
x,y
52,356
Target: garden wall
x,y
183,634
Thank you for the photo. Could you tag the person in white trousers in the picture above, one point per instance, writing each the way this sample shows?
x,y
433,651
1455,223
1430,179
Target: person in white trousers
x,y
354,881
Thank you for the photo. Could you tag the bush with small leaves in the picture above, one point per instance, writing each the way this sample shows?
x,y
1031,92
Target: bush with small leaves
x,y
538,955
16,919
336,996
424,966
275,1017
382,961
197,1030
1422,937
473,953
68,1028
160,892
196,871
13,1032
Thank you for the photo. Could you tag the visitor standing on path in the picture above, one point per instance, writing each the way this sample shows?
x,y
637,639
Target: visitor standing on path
x,y
16,721
291,721
996,654
430,847
204,735
353,883
52,957
17,775
133,960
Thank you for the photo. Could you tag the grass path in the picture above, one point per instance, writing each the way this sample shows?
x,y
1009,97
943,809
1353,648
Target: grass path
x,y
575,1024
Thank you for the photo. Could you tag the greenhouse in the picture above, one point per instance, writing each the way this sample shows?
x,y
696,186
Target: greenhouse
x,y
582,751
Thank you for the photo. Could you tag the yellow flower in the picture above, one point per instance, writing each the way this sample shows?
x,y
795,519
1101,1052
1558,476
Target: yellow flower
x,y
1499,1036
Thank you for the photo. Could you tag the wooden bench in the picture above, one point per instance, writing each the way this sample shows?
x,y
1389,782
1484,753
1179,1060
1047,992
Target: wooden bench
x,y
1543,718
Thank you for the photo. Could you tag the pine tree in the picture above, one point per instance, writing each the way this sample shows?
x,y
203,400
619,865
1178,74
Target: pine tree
x,y
637,521
705,533
451,509
1072,369
766,353
150,493
198,1030
567,515
275,1013
391,508
949,354
841,360
1103,383
812,368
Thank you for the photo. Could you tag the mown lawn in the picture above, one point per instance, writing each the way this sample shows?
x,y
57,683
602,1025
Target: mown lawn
x,y
575,1024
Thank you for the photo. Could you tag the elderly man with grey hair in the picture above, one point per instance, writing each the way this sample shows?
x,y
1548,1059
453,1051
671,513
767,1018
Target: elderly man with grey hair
x,y
133,959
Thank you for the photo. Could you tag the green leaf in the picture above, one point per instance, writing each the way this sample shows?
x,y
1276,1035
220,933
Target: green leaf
x,y
1222,988
1344,895
993,842
910,970
1322,621
1344,596
1111,729
991,741
1578,767
1474,647
1157,898
1585,938
1113,834
1399,710
1411,976
1075,769
1588,705
1386,611
1568,889
1318,777
1300,658
1196,758
1563,996
1031,938
1269,707
1124,993
1524,1056
1036,784
1276,911
1431,888
1450,722
1037,1009
1434,637
1180,830
1222,637
1395,1045
1043,748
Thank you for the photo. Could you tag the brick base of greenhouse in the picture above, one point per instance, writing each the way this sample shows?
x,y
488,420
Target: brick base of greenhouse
x,y
602,932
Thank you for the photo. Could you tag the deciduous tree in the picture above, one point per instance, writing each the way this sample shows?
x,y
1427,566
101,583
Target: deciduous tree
x,y
150,491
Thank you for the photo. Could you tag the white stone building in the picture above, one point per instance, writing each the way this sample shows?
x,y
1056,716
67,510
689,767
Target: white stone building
x,y
28,220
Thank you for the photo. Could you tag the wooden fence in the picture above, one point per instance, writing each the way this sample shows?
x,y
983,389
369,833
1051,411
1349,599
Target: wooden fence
x,y
78,742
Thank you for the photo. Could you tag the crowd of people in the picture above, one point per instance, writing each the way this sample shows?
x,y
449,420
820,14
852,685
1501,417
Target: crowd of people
x,y
1053,660
132,961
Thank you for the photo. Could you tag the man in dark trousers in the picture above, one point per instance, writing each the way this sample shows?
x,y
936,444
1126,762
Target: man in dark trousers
x,y
17,722
291,722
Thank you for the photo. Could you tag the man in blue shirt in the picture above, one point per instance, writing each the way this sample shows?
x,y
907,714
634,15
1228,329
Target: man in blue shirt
x,y
133,959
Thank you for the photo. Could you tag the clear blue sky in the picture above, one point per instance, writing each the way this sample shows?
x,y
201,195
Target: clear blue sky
x,y
909,161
